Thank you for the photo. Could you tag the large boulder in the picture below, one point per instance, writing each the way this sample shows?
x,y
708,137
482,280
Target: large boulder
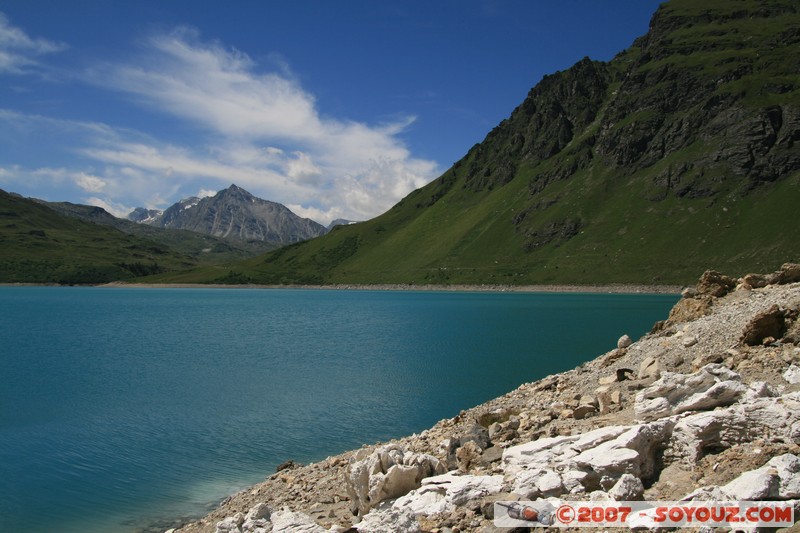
x,y
769,418
712,386
769,323
388,472
586,462
438,494
713,283
288,521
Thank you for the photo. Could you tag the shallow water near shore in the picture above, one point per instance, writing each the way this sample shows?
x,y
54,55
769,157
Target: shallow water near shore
x,y
121,408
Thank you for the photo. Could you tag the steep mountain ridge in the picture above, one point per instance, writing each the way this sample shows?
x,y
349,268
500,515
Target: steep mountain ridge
x,y
234,213
680,153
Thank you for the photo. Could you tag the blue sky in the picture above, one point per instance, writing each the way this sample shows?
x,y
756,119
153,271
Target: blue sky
x,y
333,108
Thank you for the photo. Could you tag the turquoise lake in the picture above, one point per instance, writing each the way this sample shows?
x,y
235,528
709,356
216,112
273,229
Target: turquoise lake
x,y
121,408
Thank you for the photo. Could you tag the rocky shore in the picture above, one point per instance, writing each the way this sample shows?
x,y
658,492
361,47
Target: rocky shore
x,y
621,288
706,406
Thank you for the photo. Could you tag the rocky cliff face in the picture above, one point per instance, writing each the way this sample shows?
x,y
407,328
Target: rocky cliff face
x,y
234,213
707,406
142,215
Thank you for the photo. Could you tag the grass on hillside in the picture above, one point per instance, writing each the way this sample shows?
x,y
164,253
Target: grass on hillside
x,y
41,246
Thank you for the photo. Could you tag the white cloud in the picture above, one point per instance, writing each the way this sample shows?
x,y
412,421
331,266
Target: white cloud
x,y
302,169
90,183
204,193
18,51
116,209
331,165
215,87
259,130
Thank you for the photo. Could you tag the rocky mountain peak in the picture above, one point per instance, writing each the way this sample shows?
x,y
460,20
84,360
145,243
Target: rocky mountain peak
x,y
234,213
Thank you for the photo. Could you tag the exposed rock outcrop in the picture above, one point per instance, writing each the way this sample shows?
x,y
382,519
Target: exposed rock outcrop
x,y
388,472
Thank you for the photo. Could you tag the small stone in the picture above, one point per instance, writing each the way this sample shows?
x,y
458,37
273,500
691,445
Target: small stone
x,y
624,342
627,488
704,359
582,411
649,368
286,465
689,340
607,380
491,455
792,375
756,281
467,455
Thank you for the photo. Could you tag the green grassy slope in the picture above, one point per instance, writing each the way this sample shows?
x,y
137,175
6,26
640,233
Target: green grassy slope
x,y
39,245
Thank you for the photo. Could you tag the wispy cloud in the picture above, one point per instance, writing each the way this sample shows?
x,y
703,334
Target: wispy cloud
x,y
18,51
331,166
254,127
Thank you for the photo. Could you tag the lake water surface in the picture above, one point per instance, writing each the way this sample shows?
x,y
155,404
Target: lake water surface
x,y
122,407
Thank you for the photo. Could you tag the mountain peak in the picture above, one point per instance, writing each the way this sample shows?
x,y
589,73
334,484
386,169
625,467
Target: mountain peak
x,y
234,213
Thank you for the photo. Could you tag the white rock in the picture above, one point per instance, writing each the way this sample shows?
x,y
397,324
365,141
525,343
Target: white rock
x,y
792,375
287,521
712,386
760,484
628,488
438,494
759,389
624,342
230,524
689,340
389,472
574,480
390,519
632,452
776,480
768,418
532,484
788,467
423,501
582,462
462,489
549,484
259,510
539,453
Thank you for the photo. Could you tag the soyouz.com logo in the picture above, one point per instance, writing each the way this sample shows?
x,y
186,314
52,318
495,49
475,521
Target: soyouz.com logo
x,y
556,513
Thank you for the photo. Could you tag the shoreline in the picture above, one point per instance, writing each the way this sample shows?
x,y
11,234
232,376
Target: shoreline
x,y
490,447
615,288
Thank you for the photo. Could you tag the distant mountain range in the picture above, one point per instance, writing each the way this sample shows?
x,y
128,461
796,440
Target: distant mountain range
x,y
680,154
62,242
233,214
